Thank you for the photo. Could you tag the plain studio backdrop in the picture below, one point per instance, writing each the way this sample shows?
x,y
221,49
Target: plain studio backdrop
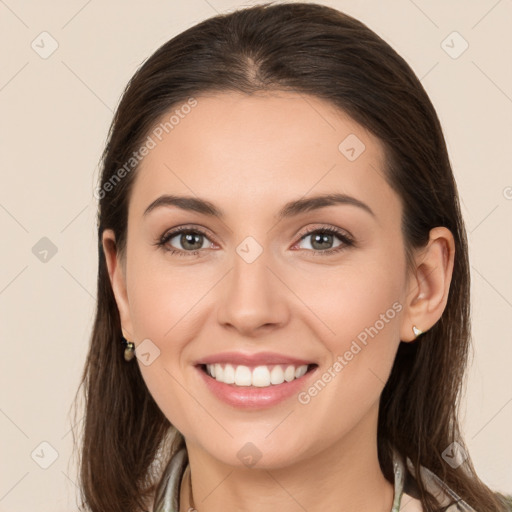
x,y
64,66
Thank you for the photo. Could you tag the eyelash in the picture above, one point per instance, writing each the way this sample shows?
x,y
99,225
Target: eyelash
x,y
346,240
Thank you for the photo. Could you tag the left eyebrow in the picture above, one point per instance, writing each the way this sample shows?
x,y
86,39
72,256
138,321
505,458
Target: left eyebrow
x,y
290,209
316,202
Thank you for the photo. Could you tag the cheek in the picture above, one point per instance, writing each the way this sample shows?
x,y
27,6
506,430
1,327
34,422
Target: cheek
x,y
161,300
164,308
161,309
360,326
357,300
358,315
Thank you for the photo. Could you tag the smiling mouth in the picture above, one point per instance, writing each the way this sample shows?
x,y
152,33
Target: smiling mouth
x,y
256,376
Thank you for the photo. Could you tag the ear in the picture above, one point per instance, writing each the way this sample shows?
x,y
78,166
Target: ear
x,y
117,270
429,284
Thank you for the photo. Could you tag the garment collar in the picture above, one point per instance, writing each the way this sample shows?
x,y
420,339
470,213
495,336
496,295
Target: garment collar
x,y
167,494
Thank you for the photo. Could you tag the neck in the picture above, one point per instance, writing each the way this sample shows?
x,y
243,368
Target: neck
x,y
344,477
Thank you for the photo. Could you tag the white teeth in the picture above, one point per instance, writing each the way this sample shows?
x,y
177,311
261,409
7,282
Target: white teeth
x,y
219,373
242,376
277,375
300,371
229,374
289,374
260,376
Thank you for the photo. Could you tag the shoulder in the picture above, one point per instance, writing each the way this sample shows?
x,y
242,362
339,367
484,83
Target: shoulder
x,y
444,496
410,504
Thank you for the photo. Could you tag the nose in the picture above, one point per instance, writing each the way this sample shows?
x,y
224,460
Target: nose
x,y
253,297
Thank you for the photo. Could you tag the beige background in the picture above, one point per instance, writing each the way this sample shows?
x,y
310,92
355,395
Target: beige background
x,y
55,116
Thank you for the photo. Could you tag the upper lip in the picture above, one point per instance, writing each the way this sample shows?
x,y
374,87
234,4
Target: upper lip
x,y
260,358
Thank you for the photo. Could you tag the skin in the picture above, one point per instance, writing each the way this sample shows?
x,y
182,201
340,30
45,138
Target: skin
x,y
249,155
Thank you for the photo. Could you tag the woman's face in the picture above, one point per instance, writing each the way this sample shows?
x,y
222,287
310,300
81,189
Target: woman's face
x,y
251,280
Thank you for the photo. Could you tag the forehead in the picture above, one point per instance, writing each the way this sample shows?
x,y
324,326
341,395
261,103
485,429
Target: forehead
x,y
251,152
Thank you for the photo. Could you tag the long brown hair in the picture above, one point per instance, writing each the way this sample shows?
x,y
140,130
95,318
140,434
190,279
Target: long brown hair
x,y
309,49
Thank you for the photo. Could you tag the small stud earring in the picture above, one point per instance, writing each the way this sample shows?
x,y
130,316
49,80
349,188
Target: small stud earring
x,y
129,350
416,331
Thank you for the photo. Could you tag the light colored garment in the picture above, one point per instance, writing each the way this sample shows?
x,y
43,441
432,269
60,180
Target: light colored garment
x,y
403,502
167,495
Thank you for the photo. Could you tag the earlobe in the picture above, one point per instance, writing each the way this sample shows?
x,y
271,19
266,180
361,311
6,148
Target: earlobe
x,y
117,280
429,285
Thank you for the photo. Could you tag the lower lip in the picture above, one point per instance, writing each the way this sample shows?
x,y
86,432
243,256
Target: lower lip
x,y
252,397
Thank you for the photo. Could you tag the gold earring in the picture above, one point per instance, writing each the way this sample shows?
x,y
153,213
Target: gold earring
x,y
416,331
129,350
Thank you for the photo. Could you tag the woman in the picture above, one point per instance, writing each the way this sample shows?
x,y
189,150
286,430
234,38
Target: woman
x,y
281,247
